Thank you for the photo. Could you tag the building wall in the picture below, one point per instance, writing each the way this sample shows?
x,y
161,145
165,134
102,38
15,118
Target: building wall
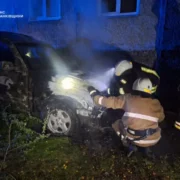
x,y
54,32
128,33
10,23
80,19
136,34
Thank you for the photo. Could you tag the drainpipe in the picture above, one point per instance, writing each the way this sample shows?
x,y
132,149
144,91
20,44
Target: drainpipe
x,y
160,31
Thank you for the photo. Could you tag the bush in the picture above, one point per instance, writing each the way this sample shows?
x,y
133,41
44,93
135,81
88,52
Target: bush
x,y
17,132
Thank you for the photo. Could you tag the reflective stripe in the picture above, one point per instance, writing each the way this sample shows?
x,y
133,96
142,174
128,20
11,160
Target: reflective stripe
x,y
118,133
153,89
177,126
100,100
147,90
178,123
132,132
123,81
93,91
146,141
108,91
121,91
150,71
122,137
141,116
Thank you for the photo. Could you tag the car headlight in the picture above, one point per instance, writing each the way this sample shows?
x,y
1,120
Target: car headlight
x,y
67,83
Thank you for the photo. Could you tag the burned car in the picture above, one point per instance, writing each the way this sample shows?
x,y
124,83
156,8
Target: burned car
x,y
34,79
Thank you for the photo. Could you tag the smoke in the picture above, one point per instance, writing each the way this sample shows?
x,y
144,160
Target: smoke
x,y
101,82
91,33
89,23
58,63
93,44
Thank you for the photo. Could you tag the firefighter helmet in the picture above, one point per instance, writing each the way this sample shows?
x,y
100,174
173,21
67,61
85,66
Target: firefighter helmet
x,y
123,66
143,85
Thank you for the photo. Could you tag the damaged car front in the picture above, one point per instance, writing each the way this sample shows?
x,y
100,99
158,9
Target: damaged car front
x,y
52,89
59,91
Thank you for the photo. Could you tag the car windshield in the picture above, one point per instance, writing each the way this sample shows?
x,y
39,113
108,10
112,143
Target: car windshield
x,y
43,57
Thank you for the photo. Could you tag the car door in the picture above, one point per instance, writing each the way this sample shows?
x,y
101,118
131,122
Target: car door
x,y
14,83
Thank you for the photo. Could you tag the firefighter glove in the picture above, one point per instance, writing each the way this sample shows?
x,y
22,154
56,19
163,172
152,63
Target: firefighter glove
x,y
93,92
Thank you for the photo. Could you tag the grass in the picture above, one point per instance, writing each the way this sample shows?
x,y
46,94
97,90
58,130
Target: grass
x,y
58,159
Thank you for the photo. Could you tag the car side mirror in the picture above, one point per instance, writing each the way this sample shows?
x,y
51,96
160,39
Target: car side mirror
x,y
6,66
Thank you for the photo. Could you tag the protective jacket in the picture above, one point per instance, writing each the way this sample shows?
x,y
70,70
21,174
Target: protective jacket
x,y
140,119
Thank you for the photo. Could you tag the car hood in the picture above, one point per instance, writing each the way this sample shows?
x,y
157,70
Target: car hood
x,y
73,84
85,79
99,81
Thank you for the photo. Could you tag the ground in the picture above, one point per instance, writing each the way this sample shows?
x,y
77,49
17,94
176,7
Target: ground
x,y
169,144
58,158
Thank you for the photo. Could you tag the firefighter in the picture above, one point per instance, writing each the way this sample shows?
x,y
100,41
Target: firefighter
x,y
126,72
177,122
142,113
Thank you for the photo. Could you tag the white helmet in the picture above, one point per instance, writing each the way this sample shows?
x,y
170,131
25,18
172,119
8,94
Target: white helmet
x,y
143,84
123,66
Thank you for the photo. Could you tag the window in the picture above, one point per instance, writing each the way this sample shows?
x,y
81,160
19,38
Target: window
x,y
41,10
119,7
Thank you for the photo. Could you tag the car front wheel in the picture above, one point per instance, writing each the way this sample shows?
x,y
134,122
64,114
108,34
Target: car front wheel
x,y
61,119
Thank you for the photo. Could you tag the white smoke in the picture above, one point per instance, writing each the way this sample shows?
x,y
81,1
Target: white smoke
x,y
101,82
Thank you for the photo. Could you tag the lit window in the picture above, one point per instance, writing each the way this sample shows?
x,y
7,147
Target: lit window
x,y
40,10
119,7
